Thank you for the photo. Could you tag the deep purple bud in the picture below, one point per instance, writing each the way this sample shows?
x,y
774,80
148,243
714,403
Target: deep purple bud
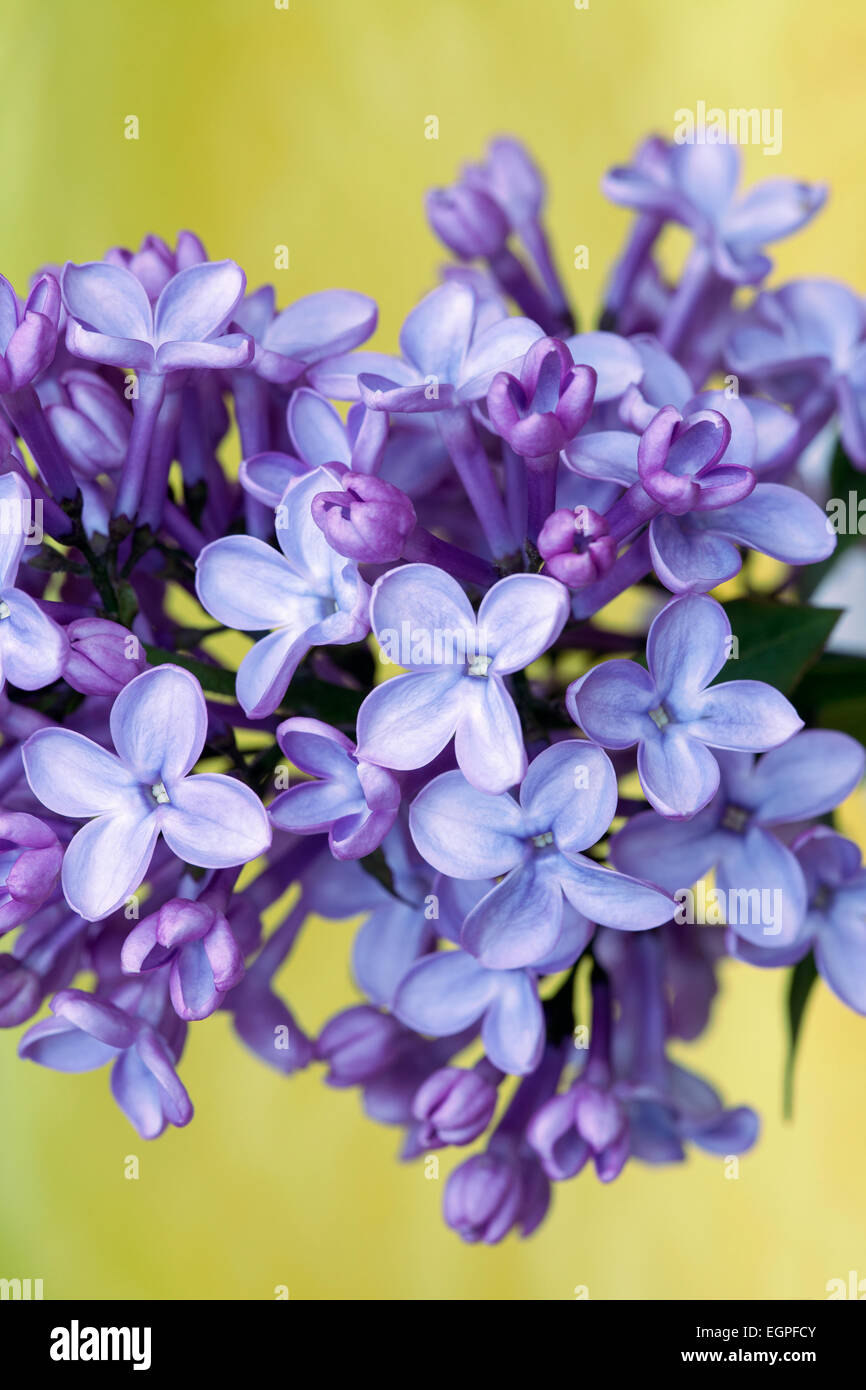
x,y
550,403
368,521
28,338
93,429
30,860
357,1044
494,1191
103,656
467,220
20,992
206,961
681,466
576,546
456,1106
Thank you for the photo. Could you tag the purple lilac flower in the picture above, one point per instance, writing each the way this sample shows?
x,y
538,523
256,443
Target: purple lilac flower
x,y
194,938
692,480
806,344
30,859
317,326
33,648
28,337
129,1029
103,656
320,439
696,184
805,778
308,594
455,689
455,1105
567,802
367,519
355,801
673,713
158,726
834,922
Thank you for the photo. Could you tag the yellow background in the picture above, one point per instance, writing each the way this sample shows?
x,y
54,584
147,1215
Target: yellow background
x,y
305,127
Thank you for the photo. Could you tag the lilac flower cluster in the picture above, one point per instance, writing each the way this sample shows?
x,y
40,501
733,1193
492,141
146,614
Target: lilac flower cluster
x,y
421,714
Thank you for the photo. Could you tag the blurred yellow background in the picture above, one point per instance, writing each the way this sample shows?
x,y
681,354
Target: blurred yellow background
x,y
305,126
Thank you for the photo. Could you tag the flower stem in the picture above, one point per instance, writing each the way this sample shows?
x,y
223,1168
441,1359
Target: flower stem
x,y
151,390
476,474
25,412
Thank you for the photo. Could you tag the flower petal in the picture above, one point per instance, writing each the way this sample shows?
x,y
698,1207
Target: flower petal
x,y
744,715
612,701
74,776
806,777
108,300
613,899
466,833
407,721
444,993
488,742
214,821
513,1027
519,921
106,861
678,773
570,789
33,649
159,724
316,430
687,646
198,302
519,618
248,585
422,617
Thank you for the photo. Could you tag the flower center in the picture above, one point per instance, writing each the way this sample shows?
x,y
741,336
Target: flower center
x,y
5,610
478,665
660,717
735,818
542,841
159,794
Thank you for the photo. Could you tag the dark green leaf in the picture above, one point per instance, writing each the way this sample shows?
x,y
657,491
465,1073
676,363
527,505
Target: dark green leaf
x,y
215,679
802,978
849,487
777,642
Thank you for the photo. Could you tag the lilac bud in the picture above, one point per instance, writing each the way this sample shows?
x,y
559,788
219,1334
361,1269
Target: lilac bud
x,y
467,220
20,992
492,1192
456,1106
93,428
550,403
30,860
357,1044
206,961
576,547
28,338
368,521
103,656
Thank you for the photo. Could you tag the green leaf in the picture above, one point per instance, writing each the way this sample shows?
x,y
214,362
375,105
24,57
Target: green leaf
x,y
802,978
776,642
832,695
215,679
849,486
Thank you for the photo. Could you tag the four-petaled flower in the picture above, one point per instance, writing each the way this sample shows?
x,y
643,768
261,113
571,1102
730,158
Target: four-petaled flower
x,y
567,802
158,725
308,595
455,688
672,712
